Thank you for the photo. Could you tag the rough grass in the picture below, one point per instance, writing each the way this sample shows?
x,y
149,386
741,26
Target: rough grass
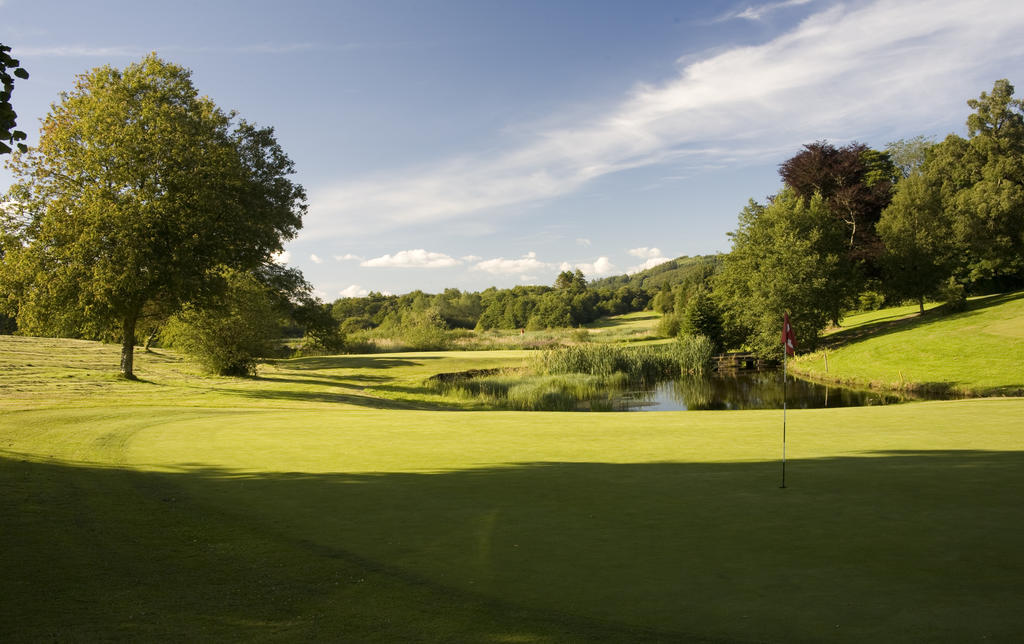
x,y
306,505
979,351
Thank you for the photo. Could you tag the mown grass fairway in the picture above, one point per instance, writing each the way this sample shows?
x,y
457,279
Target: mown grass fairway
x,y
307,505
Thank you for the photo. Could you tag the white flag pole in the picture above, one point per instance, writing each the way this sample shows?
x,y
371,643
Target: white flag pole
x,y
785,352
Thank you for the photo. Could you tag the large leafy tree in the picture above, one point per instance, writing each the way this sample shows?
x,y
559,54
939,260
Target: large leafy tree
x,y
981,183
786,256
140,192
856,184
915,230
963,216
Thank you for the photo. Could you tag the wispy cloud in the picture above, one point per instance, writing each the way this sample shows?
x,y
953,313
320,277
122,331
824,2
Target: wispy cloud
x,y
418,258
583,241
757,12
316,259
839,74
348,257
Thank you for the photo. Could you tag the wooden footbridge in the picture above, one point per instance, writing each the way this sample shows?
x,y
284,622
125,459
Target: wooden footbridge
x,y
739,361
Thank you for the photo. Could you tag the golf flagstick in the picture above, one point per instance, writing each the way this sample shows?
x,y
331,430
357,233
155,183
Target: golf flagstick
x,y
788,349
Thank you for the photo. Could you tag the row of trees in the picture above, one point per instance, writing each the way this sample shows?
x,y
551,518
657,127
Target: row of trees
x,y
915,221
570,302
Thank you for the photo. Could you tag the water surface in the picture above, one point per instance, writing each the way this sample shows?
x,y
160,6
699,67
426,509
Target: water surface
x,y
747,390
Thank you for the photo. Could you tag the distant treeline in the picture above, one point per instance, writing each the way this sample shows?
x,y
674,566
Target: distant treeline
x,y
570,302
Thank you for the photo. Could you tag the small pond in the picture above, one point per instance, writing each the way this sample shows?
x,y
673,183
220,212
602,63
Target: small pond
x,y
746,390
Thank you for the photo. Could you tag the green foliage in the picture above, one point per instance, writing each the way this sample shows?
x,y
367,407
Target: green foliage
x,y
139,191
8,117
975,188
786,256
701,317
908,155
915,230
870,301
669,325
229,335
694,354
646,364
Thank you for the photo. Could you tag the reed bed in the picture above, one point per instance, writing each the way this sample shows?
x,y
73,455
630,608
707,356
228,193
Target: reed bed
x,y
586,376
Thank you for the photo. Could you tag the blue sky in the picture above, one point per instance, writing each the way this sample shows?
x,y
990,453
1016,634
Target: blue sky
x,y
481,143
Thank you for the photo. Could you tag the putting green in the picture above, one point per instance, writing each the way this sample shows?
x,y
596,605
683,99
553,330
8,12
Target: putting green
x,y
899,522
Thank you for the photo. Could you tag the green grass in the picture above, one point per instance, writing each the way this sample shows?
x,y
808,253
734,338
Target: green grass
x,y
329,499
979,351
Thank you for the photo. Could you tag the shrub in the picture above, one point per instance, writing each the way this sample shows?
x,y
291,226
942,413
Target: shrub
x,y
227,337
870,301
669,325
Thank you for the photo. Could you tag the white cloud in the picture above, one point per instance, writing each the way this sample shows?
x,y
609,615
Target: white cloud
x,y
842,73
471,258
650,263
645,252
583,241
502,266
760,11
313,257
418,258
282,258
348,257
598,268
353,291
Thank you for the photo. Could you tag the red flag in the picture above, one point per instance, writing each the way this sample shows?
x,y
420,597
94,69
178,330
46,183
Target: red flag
x,y
788,337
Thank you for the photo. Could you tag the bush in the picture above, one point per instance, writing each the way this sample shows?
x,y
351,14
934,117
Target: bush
x,y
227,337
870,301
669,325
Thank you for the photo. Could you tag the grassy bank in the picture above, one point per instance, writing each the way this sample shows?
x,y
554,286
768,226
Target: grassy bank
x,y
979,351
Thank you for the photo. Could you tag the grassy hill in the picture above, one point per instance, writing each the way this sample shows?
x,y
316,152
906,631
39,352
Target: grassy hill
x,y
331,499
667,274
979,351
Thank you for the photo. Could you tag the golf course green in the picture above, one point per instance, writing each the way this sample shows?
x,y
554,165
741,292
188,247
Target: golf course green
x,y
338,498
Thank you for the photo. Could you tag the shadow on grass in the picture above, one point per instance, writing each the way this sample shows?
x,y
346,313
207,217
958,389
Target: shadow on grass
x,y
342,397
885,326
350,362
893,546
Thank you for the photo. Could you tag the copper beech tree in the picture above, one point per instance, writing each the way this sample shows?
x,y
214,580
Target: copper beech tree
x,y
139,196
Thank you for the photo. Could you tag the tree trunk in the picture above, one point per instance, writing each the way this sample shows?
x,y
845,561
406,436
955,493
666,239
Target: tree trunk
x,y
920,305
149,340
128,347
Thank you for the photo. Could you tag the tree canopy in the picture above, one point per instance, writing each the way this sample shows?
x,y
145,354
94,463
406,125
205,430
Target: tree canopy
x,y
140,191
786,255
961,214
8,117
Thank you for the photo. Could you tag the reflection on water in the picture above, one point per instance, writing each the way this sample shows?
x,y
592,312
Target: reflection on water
x,y
746,390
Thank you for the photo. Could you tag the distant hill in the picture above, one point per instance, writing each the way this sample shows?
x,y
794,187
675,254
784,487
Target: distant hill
x,y
673,272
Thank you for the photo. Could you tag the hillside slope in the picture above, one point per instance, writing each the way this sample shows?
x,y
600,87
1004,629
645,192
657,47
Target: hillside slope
x,y
979,351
